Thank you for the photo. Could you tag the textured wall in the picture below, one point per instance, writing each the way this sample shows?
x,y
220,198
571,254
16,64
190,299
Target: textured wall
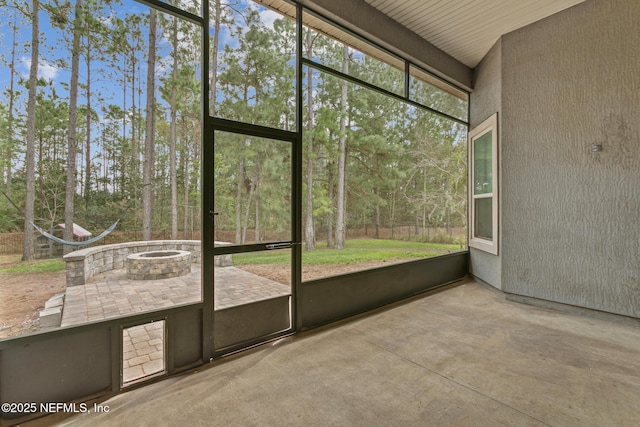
x,y
485,101
571,217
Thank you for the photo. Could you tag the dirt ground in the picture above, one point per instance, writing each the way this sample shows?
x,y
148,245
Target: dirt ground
x,y
310,272
22,296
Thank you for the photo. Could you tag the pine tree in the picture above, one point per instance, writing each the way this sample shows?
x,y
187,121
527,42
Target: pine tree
x,y
72,145
149,141
28,249
309,230
342,157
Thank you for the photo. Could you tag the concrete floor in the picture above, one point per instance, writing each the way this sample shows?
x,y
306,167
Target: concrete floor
x,y
460,357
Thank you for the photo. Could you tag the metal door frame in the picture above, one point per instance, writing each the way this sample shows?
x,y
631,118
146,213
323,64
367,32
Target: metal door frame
x,y
209,251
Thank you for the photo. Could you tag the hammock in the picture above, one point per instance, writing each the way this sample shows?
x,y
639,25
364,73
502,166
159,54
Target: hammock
x,y
83,243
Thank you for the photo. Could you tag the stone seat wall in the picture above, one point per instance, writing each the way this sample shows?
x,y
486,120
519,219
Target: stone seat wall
x,y
82,265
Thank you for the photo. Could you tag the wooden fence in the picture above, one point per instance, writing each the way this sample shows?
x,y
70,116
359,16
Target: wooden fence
x,y
11,243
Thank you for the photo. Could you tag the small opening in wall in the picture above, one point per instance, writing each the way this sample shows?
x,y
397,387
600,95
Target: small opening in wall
x,y
143,352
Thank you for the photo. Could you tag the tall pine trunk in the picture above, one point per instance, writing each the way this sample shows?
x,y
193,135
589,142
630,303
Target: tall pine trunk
x,y
256,189
331,185
342,157
247,212
173,176
309,230
9,152
72,143
184,157
149,138
376,214
27,250
87,159
213,90
239,184
135,143
250,185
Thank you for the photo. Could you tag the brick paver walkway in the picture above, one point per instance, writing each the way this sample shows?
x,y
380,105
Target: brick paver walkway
x,y
111,295
142,351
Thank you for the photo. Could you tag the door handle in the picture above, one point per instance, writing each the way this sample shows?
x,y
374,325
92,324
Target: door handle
x,y
278,245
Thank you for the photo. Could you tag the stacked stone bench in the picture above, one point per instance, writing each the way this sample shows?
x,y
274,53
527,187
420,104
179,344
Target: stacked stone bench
x,y
83,264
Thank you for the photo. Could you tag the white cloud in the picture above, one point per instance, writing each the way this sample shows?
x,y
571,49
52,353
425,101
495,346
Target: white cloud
x,y
45,70
107,21
48,71
267,17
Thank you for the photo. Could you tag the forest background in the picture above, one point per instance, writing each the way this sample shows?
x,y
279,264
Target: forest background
x,y
101,120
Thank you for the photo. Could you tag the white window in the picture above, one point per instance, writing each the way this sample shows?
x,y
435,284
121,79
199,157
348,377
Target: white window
x,y
483,186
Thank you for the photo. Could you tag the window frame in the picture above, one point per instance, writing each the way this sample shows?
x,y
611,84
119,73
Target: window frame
x,y
484,244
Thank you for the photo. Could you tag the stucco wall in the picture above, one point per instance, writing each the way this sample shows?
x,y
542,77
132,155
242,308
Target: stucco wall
x,y
485,101
571,217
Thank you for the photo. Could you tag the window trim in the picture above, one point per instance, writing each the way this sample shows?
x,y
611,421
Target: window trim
x,y
491,246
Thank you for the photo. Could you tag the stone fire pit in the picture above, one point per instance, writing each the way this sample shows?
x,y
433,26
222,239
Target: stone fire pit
x,y
158,264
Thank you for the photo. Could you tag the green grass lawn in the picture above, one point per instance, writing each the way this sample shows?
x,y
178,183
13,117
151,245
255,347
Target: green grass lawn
x,y
39,266
359,250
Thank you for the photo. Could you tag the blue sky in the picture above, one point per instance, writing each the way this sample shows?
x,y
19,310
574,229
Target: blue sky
x,y
54,47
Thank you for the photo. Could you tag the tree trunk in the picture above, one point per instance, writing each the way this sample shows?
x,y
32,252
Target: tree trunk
x,y
330,184
213,91
185,168
104,170
342,157
246,214
87,159
424,204
256,189
9,153
173,176
257,230
122,170
376,214
149,140
27,250
72,143
309,230
392,213
135,143
240,183
251,187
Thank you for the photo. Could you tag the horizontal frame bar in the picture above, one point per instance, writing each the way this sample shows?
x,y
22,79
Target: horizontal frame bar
x,y
232,126
254,247
355,80
172,10
408,63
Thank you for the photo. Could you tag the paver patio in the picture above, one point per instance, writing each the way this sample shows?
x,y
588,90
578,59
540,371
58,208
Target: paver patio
x,y
142,351
111,294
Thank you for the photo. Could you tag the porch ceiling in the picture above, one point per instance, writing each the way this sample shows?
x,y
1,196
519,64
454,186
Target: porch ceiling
x,y
466,29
